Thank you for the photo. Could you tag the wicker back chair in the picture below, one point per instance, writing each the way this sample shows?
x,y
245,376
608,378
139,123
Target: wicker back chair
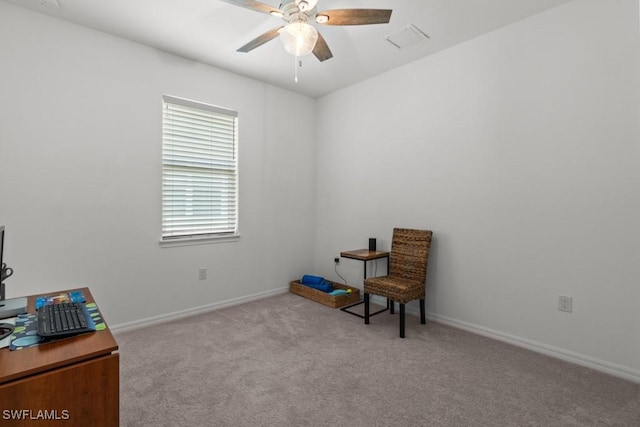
x,y
407,273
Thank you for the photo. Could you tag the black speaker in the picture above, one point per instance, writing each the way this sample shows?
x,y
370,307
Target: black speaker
x,y
372,244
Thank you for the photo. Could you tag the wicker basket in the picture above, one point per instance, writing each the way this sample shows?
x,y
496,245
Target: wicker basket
x,y
334,301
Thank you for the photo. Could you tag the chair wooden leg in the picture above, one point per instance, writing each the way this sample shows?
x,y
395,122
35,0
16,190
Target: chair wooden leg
x,y
401,320
423,317
392,306
366,308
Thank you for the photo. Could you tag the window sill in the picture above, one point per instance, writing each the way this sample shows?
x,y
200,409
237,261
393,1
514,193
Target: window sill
x,y
191,241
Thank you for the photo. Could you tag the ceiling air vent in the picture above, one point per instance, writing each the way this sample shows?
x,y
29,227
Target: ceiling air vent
x,y
407,36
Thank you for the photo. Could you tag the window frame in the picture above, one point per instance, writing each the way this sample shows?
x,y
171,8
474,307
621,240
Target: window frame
x,y
193,238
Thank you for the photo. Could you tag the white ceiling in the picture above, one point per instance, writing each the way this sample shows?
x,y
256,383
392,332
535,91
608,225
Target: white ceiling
x,y
210,31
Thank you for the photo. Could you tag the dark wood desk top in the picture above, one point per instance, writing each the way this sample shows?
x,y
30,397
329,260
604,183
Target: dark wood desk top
x,y
364,254
44,357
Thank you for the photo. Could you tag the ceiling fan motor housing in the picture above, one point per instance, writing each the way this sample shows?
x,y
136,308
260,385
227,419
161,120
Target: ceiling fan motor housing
x,y
292,12
306,5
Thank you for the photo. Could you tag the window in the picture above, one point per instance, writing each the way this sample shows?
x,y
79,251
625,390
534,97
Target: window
x,y
199,170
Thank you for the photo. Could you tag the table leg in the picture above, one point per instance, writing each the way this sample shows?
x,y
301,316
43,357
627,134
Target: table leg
x,y
345,308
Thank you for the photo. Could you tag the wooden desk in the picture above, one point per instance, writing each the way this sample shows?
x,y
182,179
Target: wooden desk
x,y
366,255
70,382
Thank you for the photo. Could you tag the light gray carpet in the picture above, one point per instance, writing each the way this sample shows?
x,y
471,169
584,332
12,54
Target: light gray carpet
x,y
288,361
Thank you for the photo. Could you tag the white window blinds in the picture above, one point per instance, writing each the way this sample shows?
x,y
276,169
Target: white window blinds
x,y
199,170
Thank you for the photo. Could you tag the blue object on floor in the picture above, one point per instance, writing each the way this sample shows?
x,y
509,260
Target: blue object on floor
x,y
317,282
308,279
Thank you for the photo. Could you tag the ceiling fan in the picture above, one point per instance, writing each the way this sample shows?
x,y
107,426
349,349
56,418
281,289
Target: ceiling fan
x,y
298,36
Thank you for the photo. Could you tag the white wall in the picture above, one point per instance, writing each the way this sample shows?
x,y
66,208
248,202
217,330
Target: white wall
x,y
80,144
519,149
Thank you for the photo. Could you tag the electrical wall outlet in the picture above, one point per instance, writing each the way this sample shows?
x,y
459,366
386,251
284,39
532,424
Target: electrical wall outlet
x,y
202,273
565,303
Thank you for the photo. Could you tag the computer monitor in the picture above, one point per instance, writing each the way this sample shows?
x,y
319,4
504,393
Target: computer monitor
x,y
1,243
9,307
2,291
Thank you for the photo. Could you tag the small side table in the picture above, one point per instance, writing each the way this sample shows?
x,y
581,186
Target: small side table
x,y
365,255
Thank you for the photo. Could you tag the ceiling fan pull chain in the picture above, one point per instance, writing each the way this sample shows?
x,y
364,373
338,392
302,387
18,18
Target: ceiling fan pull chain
x,y
295,66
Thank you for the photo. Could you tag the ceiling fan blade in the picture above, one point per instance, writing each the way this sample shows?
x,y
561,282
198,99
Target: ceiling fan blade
x,y
321,49
356,16
253,5
260,40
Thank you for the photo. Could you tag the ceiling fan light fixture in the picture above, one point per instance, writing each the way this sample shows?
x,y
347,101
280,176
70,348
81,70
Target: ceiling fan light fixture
x,y
306,5
299,38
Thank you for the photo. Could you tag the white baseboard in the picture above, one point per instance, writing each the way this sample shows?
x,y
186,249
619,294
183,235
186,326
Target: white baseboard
x,y
557,352
614,369
164,318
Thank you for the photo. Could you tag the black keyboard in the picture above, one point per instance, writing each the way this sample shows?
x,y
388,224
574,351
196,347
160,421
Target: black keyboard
x,y
65,319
